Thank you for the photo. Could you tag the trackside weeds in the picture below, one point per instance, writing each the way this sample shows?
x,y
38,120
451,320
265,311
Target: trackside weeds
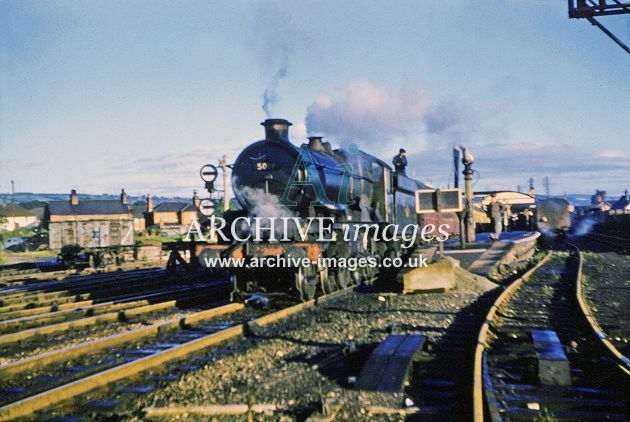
x,y
352,263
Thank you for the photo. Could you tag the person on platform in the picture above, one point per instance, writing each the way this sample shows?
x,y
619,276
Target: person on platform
x,y
400,162
495,211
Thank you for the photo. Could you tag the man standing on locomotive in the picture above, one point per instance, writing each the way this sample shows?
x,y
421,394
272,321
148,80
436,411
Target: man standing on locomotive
x,y
400,162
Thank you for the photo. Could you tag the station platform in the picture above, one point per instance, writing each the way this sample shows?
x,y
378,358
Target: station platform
x,y
493,260
490,258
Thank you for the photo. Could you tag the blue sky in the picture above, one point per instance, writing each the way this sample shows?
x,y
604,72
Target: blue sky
x,y
103,95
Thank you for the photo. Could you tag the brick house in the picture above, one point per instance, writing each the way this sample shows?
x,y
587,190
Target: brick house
x,y
171,213
17,217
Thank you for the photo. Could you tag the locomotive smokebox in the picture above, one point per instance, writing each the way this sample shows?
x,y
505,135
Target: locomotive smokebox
x,y
277,129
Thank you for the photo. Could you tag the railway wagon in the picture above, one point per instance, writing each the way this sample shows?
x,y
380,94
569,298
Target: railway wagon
x,y
91,233
99,230
356,208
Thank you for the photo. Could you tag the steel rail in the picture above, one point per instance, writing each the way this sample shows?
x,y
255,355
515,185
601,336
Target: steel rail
x,y
29,405
6,339
55,356
622,361
120,303
482,339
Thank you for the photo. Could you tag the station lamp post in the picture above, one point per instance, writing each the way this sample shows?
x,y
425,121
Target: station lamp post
x,y
467,161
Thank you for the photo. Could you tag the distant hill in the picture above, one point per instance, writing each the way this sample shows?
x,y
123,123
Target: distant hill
x,y
582,200
22,197
579,200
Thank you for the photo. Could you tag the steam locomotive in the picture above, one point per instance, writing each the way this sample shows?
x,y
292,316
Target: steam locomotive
x,y
313,215
554,217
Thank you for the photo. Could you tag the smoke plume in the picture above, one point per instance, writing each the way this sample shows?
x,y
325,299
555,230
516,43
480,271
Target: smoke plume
x,y
274,34
365,112
270,96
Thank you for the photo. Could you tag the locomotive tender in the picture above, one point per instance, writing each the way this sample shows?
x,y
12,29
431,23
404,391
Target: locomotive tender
x,y
316,205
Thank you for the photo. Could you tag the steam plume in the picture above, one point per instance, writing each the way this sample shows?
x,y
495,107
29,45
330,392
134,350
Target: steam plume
x,y
364,111
270,96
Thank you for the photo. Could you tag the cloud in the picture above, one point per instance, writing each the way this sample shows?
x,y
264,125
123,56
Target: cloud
x,y
445,116
617,155
506,166
363,111
161,174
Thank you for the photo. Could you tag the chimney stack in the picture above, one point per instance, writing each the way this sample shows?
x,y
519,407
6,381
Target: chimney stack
x,y
149,203
123,197
196,199
277,129
74,198
315,143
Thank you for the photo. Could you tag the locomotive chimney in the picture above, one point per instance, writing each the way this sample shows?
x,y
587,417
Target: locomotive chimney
x,y
315,143
277,129
74,198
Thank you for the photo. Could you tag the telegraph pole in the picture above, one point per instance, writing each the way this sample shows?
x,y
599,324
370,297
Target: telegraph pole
x,y
546,185
13,204
226,198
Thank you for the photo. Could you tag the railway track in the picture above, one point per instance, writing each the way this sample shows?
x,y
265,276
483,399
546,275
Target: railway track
x,y
104,319
440,388
34,383
45,328
538,358
438,393
95,288
605,297
44,380
32,273
601,242
299,365
61,302
83,282
437,388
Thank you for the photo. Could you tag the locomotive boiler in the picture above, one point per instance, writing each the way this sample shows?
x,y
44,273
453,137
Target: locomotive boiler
x,y
316,211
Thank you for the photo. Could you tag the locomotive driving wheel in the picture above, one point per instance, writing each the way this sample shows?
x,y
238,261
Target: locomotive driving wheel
x,y
328,283
342,278
306,282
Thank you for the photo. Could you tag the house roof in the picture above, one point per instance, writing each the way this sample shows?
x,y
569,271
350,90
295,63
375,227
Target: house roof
x,y
39,212
621,204
137,212
14,210
87,207
174,207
